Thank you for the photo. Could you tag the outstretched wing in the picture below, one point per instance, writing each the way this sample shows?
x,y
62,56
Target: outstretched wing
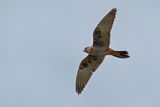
x,y
101,34
87,66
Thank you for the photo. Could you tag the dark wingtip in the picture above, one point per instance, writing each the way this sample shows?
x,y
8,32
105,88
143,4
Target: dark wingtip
x,y
78,91
115,9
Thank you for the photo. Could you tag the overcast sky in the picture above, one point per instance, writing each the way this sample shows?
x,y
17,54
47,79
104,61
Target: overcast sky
x,y
41,44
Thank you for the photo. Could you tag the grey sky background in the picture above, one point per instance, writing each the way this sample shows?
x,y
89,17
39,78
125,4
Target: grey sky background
x,y
41,44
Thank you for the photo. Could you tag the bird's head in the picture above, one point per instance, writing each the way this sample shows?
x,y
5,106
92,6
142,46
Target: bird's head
x,y
87,49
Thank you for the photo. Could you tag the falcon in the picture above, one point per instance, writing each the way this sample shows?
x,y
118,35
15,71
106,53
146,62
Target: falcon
x,y
97,52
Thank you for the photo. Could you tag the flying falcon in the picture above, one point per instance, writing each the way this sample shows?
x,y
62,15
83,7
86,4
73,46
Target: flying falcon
x,y
97,52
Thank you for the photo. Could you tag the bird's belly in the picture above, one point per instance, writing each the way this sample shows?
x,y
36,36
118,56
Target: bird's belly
x,y
98,51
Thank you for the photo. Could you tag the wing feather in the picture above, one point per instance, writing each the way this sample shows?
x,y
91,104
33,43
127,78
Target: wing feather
x,y
101,34
87,66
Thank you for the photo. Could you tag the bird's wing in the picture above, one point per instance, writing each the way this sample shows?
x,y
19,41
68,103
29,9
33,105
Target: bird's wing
x,y
87,66
101,34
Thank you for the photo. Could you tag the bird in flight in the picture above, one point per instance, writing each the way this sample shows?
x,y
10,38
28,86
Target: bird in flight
x,y
97,52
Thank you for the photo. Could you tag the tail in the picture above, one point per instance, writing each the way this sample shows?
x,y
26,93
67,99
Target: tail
x,y
120,54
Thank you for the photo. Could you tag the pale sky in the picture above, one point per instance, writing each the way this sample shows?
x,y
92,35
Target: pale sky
x,y
41,44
